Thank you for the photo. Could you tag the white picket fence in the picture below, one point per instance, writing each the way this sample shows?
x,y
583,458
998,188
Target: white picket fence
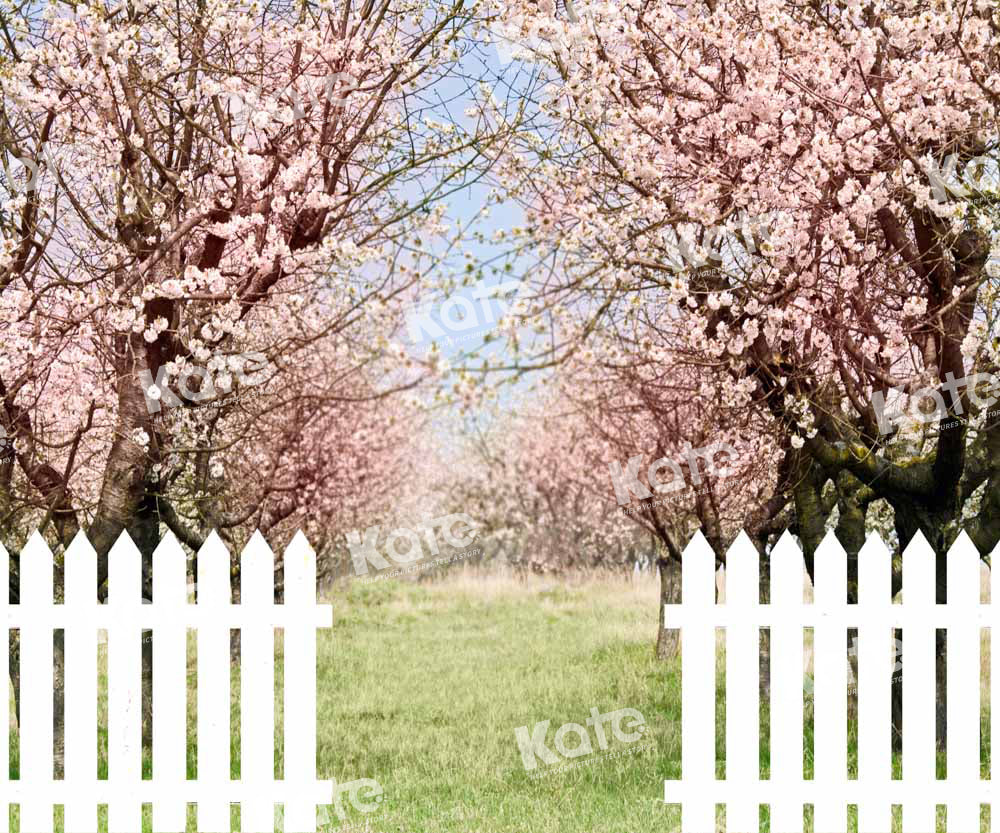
x,y
874,791
169,616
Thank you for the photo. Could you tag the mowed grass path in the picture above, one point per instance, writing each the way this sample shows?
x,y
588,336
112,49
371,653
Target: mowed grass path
x,y
422,686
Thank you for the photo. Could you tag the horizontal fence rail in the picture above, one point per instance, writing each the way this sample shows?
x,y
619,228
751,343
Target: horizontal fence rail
x,y
874,791
125,616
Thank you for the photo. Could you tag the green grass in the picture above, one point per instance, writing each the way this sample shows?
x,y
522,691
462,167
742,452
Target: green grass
x,y
420,687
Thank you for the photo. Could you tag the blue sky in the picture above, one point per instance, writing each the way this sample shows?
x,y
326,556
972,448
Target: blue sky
x,y
492,261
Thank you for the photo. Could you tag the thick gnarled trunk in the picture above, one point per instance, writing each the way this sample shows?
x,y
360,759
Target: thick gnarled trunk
x,y
667,639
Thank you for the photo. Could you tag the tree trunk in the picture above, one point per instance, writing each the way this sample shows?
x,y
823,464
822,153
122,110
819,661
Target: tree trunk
x,y
59,702
668,640
145,534
909,520
941,646
127,502
764,638
14,667
851,535
58,689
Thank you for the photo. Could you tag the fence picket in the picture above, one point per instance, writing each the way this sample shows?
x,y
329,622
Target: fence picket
x,y
919,748
214,593
994,680
5,663
743,688
830,684
300,684
257,686
36,685
875,617
786,683
698,688
874,685
124,684
170,699
80,727
126,618
963,684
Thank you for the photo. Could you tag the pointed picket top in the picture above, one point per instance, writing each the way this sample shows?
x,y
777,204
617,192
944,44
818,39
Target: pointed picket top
x,y
699,541
257,571
257,548
963,571
124,572
212,541
874,572
300,571
81,540
35,540
919,571
213,571
786,572
169,572
168,540
964,540
698,572
299,538
81,572
830,570
36,571
742,572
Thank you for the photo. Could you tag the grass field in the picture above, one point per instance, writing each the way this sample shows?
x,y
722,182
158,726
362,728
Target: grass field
x,y
421,688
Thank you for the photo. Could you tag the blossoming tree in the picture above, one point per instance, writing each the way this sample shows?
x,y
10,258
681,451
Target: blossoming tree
x,y
205,208
204,224
811,190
